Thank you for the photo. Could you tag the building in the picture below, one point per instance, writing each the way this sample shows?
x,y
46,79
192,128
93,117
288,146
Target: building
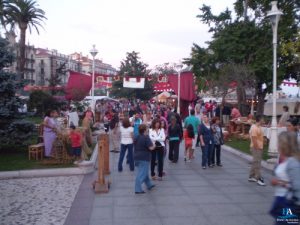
x,y
87,65
43,64
51,63
29,72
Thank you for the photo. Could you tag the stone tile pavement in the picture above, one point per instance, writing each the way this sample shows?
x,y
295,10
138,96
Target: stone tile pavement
x,y
188,195
37,201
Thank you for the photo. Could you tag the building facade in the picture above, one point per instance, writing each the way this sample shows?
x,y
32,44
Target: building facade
x,y
29,70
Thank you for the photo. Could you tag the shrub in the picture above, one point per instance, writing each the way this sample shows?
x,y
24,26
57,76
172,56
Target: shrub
x,y
17,134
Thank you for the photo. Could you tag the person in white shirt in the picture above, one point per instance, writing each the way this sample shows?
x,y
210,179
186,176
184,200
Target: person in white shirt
x,y
126,144
287,145
158,137
73,118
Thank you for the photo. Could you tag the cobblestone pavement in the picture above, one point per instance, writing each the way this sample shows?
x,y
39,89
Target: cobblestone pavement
x,y
188,195
37,201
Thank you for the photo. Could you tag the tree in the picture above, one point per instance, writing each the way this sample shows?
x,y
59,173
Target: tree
x,y
42,101
3,13
9,102
25,14
56,78
12,130
132,67
247,40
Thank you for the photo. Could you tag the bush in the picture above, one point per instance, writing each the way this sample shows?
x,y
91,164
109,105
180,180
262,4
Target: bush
x,y
42,101
17,134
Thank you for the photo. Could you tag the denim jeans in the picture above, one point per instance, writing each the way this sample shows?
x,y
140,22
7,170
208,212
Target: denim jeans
x,y
129,156
206,154
142,175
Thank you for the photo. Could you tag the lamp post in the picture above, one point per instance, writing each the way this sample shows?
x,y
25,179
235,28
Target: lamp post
x,y
274,16
178,67
93,52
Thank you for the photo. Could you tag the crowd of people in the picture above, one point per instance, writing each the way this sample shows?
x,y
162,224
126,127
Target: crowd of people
x,y
146,133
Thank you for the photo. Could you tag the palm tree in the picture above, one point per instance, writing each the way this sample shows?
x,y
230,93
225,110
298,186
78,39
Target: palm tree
x,y
25,14
3,13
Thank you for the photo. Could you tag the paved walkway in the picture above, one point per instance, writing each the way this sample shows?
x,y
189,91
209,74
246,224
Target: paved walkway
x,y
37,201
188,195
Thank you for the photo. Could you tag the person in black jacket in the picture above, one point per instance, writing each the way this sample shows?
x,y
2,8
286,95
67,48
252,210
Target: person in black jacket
x,y
207,142
175,136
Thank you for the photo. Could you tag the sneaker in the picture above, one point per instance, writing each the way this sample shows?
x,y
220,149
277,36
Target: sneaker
x,y
219,165
204,167
150,188
189,161
154,177
141,192
252,179
185,159
261,182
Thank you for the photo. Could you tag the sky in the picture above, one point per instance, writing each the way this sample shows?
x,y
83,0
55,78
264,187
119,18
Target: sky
x,y
160,30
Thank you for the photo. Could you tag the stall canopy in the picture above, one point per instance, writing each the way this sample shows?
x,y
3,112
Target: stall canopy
x,y
78,86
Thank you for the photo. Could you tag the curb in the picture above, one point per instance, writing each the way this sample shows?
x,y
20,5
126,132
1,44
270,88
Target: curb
x,y
83,168
264,164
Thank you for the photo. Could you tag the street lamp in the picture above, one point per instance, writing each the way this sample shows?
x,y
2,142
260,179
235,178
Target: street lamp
x,y
178,67
93,52
274,16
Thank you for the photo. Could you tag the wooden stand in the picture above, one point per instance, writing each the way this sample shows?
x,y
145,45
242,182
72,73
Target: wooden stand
x,y
106,153
102,186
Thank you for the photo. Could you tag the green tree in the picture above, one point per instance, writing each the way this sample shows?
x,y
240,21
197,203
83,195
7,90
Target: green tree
x,y
247,40
132,67
42,101
9,102
12,130
56,79
25,14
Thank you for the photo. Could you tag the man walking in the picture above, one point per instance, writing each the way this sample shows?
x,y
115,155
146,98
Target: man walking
x,y
256,146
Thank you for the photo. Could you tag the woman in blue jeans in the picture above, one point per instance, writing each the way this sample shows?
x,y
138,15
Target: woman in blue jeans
x,y
207,142
142,156
126,144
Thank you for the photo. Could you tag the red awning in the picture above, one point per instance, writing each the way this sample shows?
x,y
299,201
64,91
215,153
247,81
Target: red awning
x,y
79,86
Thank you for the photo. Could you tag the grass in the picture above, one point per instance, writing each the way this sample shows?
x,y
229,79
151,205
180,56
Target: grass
x,y
244,146
20,161
34,119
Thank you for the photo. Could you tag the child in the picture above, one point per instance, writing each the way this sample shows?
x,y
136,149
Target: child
x,y
188,136
76,138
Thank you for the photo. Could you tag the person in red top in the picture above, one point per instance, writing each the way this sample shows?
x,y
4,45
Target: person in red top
x,y
188,136
75,137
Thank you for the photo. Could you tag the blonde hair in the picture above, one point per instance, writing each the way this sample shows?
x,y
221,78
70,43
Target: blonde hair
x,y
288,144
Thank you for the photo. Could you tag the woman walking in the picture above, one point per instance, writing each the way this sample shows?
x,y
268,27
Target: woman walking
x,y
218,141
158,137
49,131
175,136
142,156
126,144
206,140
286,180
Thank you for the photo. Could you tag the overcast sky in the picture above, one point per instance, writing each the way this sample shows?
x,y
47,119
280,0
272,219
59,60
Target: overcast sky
x,y
160,30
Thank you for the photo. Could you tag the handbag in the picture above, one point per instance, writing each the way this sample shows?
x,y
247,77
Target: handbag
x,y
158,145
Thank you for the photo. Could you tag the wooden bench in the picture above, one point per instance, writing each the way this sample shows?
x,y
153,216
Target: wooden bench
x,y
36,150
